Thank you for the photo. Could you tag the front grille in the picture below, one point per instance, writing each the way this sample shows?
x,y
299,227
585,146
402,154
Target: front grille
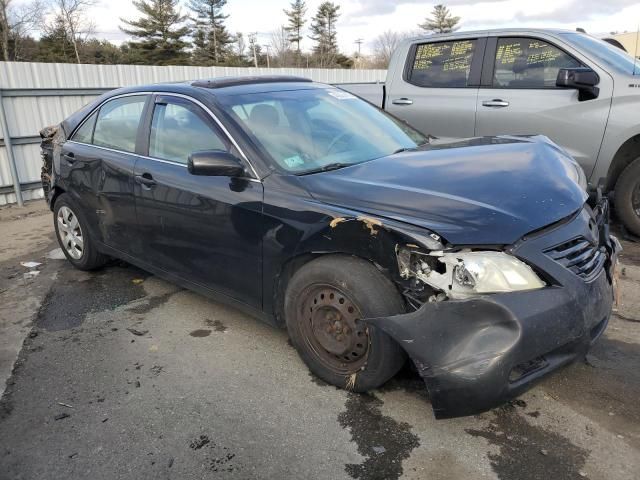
x,y
580,256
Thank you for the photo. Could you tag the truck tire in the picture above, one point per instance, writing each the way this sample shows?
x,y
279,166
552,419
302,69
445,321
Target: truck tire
x,y
72,232
627,197
325,302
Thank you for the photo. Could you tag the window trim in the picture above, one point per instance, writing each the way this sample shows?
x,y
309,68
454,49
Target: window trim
x,y
224,130
490,63
219,124
148,125
96,110
473,81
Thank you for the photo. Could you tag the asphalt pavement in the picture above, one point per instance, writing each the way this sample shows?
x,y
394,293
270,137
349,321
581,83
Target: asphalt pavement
x,y
118,374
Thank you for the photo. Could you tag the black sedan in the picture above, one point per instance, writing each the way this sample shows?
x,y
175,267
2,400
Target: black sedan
x,y
484,261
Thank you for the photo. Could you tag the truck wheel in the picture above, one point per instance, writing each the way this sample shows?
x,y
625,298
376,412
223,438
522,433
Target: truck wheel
x,y
73,235
325,303
627,197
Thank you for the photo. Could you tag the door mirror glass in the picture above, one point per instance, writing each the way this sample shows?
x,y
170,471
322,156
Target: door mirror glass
x,y
215,163
582,79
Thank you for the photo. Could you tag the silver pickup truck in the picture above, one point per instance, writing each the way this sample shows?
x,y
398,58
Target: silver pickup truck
x,y
578,90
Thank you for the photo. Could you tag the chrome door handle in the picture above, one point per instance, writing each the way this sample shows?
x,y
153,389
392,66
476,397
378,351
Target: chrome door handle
x,y
402,101
496,102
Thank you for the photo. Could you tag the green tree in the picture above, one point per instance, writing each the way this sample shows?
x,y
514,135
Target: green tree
x,y
296,21
101,52
161,31
440,21
212,42
55,45
323,29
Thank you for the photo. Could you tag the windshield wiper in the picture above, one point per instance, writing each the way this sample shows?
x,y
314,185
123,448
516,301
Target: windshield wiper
x,y
326,168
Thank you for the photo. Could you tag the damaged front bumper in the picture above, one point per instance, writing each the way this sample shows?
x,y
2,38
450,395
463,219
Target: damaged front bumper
x,y
476,353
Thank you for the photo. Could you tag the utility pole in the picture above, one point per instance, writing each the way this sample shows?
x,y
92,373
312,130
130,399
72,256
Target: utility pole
x,y
253,38
359,42
268,47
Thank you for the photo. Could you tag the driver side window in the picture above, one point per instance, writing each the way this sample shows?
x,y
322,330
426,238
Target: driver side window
x,y
529,63
181,128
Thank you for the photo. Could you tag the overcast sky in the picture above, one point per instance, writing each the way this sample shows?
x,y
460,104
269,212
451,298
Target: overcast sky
x,y
367,18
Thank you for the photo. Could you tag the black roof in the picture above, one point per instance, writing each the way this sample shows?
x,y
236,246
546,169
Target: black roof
x,y
237,81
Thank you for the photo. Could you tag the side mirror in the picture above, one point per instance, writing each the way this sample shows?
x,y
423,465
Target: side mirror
x,y
215,163
582,79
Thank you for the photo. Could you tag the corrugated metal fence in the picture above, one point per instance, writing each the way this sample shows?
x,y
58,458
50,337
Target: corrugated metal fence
x,y
34,95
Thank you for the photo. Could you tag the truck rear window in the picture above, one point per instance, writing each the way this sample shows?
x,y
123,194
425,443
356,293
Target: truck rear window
x,y
442,64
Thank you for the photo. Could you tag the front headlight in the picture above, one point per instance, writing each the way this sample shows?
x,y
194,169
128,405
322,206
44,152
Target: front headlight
x,y
577,174
489,272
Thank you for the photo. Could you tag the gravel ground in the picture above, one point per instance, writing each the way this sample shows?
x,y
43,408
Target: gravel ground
x,y
118,374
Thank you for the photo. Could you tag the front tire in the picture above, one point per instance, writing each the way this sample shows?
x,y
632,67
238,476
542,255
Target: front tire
x,y
72,232
627,197
325,303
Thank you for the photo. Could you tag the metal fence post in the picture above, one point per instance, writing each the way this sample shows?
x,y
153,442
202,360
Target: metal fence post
x,y
9,147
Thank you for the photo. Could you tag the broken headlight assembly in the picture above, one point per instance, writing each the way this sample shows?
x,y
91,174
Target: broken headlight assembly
x,y
467,273
489,272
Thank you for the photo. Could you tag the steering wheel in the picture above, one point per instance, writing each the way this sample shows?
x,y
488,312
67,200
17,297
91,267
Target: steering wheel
x,y
336,140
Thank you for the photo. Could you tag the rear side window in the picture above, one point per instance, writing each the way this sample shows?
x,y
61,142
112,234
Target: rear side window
x,y
529,63
117,124
443,64
85,133
179,129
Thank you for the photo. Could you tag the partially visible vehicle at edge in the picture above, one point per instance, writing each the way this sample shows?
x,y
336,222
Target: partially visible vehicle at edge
x,y
484,260
578,90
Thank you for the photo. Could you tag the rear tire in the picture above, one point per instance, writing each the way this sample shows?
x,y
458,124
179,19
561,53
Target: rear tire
x,y
627,197
325,302
72,232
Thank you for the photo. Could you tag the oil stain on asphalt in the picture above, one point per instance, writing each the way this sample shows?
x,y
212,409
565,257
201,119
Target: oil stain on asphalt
x,y
152,303
383,441
76,294
217,325
529,452
200,333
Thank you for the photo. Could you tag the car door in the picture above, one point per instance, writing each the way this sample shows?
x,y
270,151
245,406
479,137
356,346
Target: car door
x,y
97,167
519,96
436,91
203,229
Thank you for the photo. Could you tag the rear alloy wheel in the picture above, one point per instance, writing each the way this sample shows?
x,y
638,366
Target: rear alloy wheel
x,y
627,197
74,237
70,233
325,304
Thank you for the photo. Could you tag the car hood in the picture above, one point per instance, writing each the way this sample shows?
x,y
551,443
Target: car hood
x,y
481,191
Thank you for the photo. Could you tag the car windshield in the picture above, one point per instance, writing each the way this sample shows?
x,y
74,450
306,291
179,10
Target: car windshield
x,y
316,129
605,52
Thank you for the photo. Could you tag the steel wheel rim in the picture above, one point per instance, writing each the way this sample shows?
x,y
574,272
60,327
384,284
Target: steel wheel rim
x,y
333,329
70,233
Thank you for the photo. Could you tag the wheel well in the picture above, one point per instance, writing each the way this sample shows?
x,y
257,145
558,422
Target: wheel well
x,y
296,263
53,195
627,153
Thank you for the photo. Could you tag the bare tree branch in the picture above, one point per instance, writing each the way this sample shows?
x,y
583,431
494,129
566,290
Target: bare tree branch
x,y
16,21
76,22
